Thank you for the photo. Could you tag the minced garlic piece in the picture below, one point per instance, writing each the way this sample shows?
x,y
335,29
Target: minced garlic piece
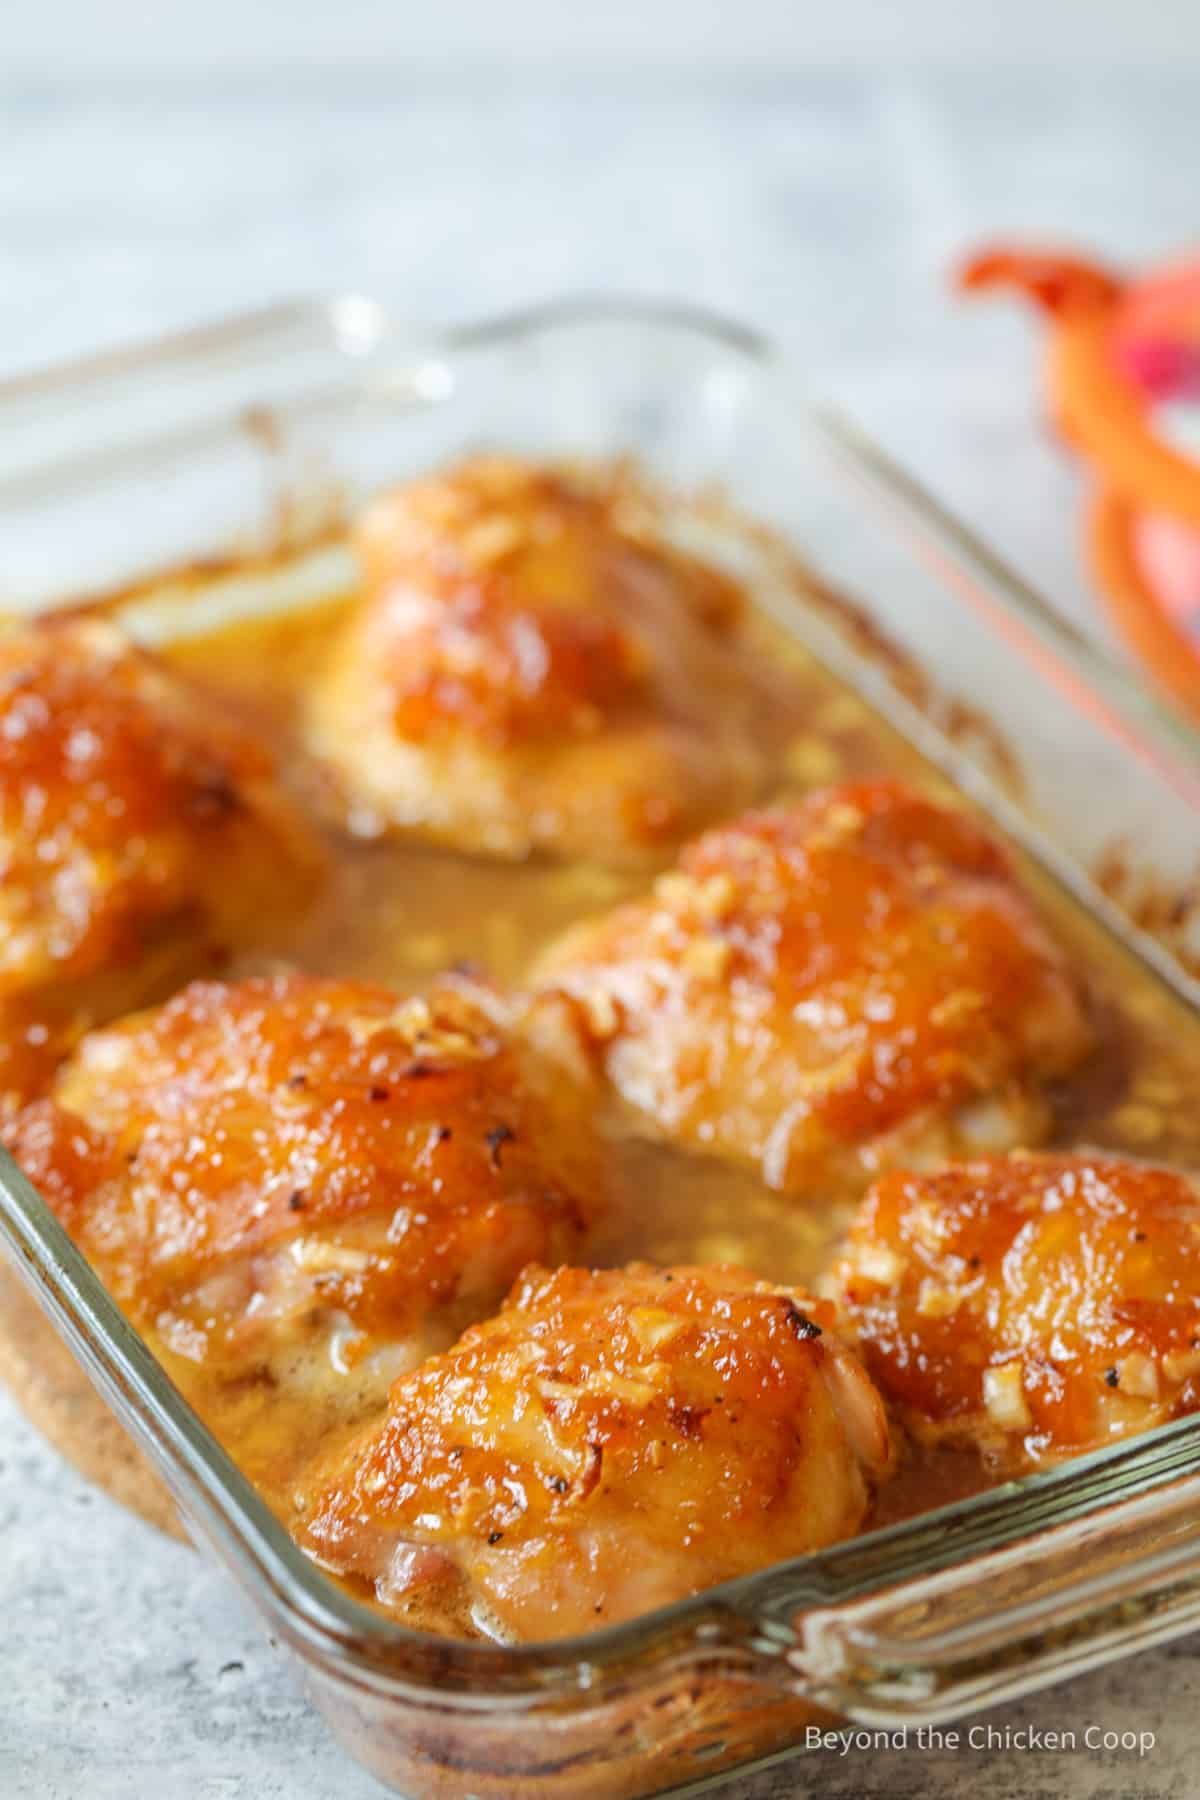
x,y
492,539
812,761
601,1009
707,957
878,1263
714,897
675,890
937,1302
845,819
655,1374
604,1381
1004,1397
313,1254
1137,1376
955,1007
653,1326
558,1390
1180,1365
926,1225
412,1017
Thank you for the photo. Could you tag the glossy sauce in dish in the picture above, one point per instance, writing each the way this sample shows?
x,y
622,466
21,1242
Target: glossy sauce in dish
x,y
398,914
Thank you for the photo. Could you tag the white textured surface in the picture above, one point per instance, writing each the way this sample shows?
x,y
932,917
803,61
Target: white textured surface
x,y
167,35
823,206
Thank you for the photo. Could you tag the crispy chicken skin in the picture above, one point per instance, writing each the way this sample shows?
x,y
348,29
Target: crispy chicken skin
x,y
141,835
525,674
821,988
1036,1306
610,1442
296,1173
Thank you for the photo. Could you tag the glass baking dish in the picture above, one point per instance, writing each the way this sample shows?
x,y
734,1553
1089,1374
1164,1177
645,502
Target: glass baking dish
x,y
228,458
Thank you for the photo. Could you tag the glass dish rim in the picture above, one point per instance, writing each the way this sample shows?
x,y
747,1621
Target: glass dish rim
x,y
330,1621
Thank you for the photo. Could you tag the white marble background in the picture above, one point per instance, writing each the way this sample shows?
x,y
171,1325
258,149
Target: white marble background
x,y
811,169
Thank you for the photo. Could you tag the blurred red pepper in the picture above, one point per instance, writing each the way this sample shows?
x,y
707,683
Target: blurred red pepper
x,y
1120,351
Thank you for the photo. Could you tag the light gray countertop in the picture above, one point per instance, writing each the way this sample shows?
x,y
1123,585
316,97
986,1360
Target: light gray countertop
x,y
824,207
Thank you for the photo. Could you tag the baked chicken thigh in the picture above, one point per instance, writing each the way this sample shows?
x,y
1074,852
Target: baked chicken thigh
x,y
609,1442
1036,1306
526,674
310,1179
142,834
824,987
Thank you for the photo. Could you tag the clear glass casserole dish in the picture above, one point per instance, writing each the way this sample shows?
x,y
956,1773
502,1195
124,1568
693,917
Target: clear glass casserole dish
x,y
230,456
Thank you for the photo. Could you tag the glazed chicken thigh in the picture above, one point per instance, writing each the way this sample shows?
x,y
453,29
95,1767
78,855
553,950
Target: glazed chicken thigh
x,y
1036,1306
142,834
310,1177
823,987
610,1442
527,674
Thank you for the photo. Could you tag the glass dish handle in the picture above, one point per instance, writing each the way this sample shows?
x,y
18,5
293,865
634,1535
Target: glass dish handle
x,y
1014,1621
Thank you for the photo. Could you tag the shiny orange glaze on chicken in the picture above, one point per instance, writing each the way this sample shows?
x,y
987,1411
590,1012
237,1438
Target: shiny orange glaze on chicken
x,y
527,674
1035,1305
608,1443
141,833
294,1172
823,986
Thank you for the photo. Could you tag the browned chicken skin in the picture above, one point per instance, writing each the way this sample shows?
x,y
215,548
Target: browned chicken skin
x,y
610,1442
313,1195
1034,1305
526,674
142,834
309,1175
823,987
